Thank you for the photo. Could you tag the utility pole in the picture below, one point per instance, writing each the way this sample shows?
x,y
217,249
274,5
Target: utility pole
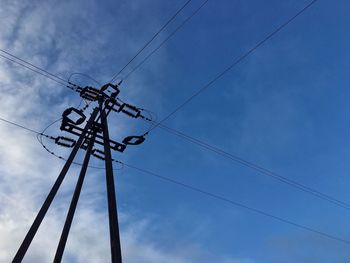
x,y
95,133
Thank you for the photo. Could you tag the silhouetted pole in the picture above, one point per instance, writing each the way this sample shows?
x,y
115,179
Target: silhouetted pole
x,y
74,202
41,214
94,132
112,204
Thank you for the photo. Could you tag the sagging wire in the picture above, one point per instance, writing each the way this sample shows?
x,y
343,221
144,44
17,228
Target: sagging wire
x,y
84,75
152,118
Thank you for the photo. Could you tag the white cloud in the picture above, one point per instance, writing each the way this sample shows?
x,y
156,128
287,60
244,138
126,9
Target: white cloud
x,y
62,36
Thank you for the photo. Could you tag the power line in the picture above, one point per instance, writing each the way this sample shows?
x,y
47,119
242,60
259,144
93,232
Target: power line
x,y
222,153
34,70
165,40
20,126
258,168
224,199
207,193
43,72
34,66
236,62
149,41
84,75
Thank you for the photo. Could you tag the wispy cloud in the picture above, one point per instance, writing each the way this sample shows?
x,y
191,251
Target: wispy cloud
x,y
64,37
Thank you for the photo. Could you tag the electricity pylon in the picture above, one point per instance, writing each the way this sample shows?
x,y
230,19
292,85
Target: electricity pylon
x,y
95,132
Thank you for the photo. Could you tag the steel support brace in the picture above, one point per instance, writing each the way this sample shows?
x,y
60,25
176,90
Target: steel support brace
x,y
74,202
112,203
42,212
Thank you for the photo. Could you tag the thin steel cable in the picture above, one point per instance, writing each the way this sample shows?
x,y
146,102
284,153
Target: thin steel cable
x,y
153,37
236,62
84,75
32,65
215,196
237,204
223,153
34,70
258,168
39,135
166,39
19,126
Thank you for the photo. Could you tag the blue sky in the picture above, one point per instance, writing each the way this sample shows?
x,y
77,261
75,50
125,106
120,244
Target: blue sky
x,y
284,108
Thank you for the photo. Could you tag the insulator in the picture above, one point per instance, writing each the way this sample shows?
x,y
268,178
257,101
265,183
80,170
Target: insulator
x,y
73,111
90,93
133,140
65,141
130,110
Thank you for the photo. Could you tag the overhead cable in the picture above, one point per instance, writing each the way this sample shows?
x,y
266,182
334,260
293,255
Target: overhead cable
x,y
237,204
258,168
32,65
209,194
235,63
34,70
151,40
165,40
